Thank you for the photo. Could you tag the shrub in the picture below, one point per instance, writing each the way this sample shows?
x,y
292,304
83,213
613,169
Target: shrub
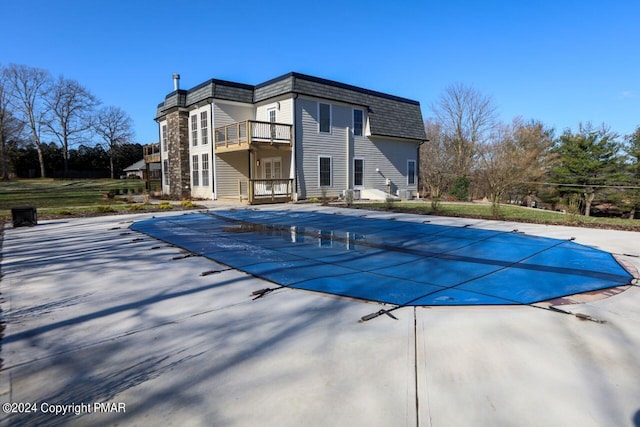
x,y
187,204
165,205
460,188
348,198
323,197
435,204
388,202
104,209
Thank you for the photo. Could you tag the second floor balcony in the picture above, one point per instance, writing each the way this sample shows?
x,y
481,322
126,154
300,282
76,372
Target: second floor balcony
x,y
241,135
151,153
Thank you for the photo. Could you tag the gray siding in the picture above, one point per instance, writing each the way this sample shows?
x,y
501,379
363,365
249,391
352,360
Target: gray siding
x,y
227,114
230,168
311,145
283,115
387,155
390,157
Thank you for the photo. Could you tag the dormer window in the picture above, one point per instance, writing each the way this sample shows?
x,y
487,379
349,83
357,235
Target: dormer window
x,y
324,118
358,122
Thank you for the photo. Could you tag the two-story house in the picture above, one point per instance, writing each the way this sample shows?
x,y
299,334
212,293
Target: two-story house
x,y
293,137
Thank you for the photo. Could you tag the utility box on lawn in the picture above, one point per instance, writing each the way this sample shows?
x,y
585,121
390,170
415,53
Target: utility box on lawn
x,y
24,216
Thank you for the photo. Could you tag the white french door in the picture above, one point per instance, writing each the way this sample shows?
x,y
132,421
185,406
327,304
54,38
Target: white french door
x,y
272,168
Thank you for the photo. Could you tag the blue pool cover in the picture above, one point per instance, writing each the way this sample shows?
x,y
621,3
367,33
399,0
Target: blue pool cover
x,y
394,262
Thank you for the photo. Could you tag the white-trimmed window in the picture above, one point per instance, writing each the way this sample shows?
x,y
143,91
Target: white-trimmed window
x,y
358,122
412,175
194,130
204,127
324,171
271,115
165,171
195,171
205,170
324,118
358,172
163,138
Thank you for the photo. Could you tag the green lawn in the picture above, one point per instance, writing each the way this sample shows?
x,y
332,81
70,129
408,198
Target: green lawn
x,y
56,198
507,212
51,194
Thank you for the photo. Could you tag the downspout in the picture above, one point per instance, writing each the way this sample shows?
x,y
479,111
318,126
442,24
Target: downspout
x,y
293,151
348,165
214,175
418,168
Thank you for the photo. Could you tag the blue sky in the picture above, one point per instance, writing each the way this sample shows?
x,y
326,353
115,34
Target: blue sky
x,y
560,62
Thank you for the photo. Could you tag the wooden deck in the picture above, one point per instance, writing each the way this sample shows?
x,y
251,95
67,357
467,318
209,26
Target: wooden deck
x,y
256,191
242,135
151,153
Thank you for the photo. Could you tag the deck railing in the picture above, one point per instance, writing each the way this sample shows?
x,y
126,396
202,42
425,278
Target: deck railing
x,y
151,153
242,134
266,190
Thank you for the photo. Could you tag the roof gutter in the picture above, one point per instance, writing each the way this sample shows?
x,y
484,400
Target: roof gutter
x,y
295,145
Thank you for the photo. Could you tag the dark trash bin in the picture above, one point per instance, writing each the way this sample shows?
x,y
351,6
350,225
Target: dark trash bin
x,y
24,216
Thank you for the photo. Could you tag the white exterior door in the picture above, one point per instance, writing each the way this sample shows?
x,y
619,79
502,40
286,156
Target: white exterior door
x,y
272,168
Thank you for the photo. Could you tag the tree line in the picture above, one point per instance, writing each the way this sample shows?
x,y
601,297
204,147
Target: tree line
x,y
55,126
470,154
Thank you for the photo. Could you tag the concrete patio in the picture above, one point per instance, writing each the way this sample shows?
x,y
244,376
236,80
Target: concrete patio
x,y
96,313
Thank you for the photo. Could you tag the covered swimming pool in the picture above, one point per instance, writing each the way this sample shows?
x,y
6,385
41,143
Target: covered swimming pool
x,y
388,261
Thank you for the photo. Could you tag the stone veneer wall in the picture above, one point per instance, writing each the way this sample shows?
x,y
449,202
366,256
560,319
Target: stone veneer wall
x,y
178,151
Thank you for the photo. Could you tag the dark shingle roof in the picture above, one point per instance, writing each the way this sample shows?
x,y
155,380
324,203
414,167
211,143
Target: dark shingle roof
x,y
389,115
140,164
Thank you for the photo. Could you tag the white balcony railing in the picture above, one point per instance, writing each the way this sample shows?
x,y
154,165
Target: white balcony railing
x,y
266,190
240,135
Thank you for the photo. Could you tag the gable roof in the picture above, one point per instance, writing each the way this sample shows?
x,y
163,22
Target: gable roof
x,y
140,165
389,115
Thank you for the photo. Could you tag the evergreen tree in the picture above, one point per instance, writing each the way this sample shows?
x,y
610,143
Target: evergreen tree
x,y
588,160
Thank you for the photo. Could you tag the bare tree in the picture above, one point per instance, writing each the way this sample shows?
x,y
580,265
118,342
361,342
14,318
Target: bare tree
x,y
28,86
10,126
537,139
115,127
436,162
70,109
466,117
516,153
